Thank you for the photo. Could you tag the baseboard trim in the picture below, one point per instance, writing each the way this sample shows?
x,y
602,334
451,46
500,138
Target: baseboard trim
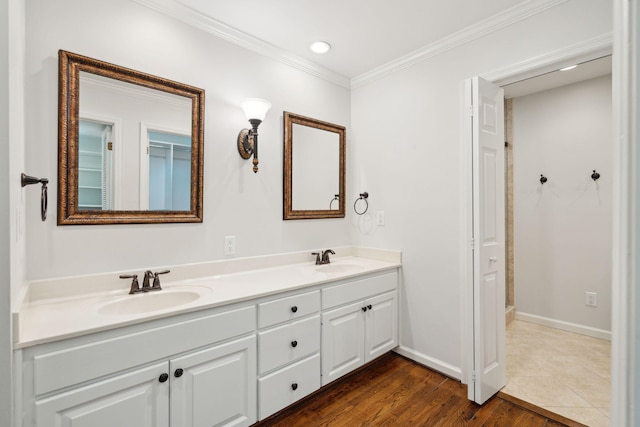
x,y
565,326
430,362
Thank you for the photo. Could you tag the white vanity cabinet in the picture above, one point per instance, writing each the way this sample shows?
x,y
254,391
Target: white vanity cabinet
x,y
199,371
289,350
359,323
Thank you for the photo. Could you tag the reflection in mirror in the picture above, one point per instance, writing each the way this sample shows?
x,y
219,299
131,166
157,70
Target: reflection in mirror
x,y
131,146
316,168
314,181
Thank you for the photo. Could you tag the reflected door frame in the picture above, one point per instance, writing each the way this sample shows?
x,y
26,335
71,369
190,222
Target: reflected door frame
x,y
116,153
144,156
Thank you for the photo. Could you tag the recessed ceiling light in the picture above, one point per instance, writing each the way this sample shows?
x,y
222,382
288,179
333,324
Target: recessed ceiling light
x,y
320,47
570,67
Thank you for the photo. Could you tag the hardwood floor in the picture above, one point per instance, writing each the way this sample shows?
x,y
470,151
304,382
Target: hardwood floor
x,y
395,391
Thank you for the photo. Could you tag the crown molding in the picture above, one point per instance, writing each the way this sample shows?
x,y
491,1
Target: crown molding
x,y
508,17
205,23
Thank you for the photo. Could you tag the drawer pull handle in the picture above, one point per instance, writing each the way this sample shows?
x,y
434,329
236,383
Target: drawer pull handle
x,y
294,386
163,378
369,306
294,308
294,344
178,373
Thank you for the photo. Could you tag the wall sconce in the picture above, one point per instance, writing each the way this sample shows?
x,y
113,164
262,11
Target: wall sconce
x,y
255,109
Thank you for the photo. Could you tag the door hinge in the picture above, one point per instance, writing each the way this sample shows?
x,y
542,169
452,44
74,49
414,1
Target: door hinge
x,y
109,146
473,376
472,243
471,110
147,149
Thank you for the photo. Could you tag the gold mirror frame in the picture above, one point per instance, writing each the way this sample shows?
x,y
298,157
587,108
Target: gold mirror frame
x,y
70,66
289,213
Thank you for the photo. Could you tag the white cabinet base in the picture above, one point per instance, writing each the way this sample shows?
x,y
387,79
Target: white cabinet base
x,y
134,399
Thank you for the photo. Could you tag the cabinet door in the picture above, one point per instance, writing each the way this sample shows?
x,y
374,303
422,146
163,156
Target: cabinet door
x,y
381,325
342,341
134,399
215,386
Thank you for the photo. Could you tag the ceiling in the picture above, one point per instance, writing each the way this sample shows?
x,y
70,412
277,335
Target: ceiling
x,y
364,34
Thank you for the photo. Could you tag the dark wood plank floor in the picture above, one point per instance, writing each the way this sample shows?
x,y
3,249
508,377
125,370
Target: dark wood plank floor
x,y
395,391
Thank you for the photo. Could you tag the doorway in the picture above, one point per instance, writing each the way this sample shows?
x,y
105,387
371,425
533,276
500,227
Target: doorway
x,y
469,337
558,348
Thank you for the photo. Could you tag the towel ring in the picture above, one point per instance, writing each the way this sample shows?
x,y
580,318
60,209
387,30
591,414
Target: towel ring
x,y
363,196
337,197
44,199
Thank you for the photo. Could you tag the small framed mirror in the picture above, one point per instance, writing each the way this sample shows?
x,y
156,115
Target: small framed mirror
x,y
130,145
314,168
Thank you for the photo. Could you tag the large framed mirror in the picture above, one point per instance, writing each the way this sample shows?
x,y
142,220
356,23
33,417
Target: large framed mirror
x,y
314,168
130,145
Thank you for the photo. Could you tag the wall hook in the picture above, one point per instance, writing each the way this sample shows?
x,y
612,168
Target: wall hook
x,y
543,179
595,175
363,196
28,180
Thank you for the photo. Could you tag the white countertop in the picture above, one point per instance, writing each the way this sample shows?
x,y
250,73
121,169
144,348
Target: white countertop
x,y
47,316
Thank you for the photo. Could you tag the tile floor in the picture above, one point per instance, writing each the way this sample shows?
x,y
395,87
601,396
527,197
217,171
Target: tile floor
x,y
564,372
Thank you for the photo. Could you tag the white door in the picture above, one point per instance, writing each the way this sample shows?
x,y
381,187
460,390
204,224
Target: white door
x,y
136,399
216,386
342,341
381,319
489,370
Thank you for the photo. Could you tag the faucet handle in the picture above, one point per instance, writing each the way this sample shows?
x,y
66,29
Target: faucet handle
x,y
135,286
156,279
317,254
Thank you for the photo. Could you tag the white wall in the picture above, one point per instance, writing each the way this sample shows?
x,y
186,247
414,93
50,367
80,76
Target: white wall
x,y
562,229
236,201
406,137
12,238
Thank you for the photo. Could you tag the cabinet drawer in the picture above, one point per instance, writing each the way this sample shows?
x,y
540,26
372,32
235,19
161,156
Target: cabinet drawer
x,y
288,385
288,342
360,289
289,308
86,362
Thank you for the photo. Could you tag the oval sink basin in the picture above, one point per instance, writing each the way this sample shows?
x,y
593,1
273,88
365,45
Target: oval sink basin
x,y
148,302
340,268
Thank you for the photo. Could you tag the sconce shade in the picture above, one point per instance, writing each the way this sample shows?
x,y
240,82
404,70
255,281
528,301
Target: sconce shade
x,y
255,108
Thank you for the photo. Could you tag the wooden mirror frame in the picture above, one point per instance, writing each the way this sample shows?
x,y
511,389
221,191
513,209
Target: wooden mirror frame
x,y
289,213
70,65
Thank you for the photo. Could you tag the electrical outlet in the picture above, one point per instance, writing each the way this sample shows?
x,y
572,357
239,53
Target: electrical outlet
x,y
229,245
380,218
591,299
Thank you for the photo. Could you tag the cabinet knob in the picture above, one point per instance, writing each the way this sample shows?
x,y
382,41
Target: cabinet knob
x,y
294,343
294,308
294,386
178,373
163,378
369,306
364,308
